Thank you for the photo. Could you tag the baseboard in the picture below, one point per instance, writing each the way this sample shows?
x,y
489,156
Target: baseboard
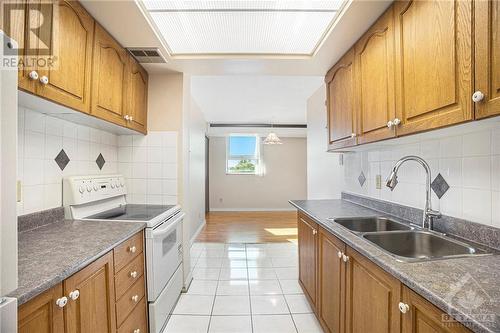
x,y
291,209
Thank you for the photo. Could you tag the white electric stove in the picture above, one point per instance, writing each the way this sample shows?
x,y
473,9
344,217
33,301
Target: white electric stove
x,y
103,198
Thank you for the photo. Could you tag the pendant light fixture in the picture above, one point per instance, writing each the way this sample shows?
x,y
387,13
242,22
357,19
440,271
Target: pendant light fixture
x,y
272,139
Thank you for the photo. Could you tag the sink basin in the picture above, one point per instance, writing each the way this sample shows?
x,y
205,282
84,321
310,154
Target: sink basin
x,y
371,224
419,245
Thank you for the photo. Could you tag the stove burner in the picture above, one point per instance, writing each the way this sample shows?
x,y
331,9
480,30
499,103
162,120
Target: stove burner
x,y
132,212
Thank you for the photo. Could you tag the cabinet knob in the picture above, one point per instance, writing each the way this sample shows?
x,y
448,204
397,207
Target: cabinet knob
x,y
126,117
133,274
131,118
132,249
477,96
315,231
353,135
403,307
33,75
339,254
44,80
74,294
137,330
396,121
135,298
390,123
61,302
345,258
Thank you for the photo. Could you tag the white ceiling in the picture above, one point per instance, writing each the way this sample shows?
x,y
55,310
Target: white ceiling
x,y
254,99
127,22
228,27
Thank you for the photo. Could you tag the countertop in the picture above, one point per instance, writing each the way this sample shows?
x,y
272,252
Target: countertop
x,y
51,253
466,288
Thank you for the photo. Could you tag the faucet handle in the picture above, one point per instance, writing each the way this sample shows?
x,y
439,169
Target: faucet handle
x,y
433,213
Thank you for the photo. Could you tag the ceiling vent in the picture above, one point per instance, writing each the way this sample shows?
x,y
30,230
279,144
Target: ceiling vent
x,y
147,55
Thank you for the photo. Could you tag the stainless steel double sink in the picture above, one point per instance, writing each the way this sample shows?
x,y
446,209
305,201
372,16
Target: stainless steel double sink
x,y
406,242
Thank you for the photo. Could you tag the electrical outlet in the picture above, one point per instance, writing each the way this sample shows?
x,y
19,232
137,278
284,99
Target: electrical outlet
x,y
19,192
378,182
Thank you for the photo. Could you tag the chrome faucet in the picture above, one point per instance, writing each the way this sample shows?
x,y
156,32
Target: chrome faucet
x,y
392,181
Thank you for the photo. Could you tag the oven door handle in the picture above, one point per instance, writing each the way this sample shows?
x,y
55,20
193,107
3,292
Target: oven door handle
x,y
169,226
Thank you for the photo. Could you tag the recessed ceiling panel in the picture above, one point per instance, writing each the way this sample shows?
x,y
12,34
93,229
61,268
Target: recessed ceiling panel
x,y
243,27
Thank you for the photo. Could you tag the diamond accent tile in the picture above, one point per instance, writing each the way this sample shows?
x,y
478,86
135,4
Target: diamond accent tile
x,y
361,179
62,159
100,161
439,186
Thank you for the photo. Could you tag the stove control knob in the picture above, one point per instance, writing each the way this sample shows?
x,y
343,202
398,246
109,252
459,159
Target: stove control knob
x,y
89,188
117,184
122,184
95,187
112,184
81,189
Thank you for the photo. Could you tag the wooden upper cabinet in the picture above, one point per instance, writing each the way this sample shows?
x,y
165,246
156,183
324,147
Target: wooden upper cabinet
x,y
340,103
109,74
433,43
137,96
331,282
307,230
41,314
487,56
374,66
372,297
70,35
94,309
424,317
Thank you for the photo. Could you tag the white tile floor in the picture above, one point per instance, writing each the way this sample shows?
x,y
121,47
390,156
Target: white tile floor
x,y
240,288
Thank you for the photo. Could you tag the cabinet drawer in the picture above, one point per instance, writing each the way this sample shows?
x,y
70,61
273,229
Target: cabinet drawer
x,y
136,321
129,300
128,250
129,275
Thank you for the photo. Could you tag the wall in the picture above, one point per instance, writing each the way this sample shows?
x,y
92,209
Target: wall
x,y
40,139
324,174
467,156
285,178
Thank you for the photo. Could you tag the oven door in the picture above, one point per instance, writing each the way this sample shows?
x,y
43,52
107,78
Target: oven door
x,y
163,253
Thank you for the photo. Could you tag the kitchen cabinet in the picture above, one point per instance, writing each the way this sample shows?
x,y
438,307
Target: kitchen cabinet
x,y
109,76
487,58
91,304
420,316
340,103
433,66
331,282
43,314
374,68
307,231
136,104
69,34
372,296
89,300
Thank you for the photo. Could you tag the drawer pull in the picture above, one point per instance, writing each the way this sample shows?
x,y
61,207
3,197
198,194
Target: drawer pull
x,y
137,330
133,274
339,254
132,249
74,294
403,307
135,298
61,302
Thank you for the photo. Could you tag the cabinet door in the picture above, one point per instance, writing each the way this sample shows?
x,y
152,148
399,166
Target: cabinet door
x,y
340,103
41,314
372,297
70,34
307,231
423,317
375,80
137,96
487,56
94,309
108,78
433,64
331,282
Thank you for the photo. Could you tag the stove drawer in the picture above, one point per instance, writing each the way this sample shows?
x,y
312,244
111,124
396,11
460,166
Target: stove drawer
x,y
128,250
128,276
129,300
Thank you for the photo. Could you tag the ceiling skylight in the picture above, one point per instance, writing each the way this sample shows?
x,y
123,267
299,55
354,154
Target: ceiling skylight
x,y
232,27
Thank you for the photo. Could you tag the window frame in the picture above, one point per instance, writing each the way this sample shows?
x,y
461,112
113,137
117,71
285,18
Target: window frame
x,y
257,156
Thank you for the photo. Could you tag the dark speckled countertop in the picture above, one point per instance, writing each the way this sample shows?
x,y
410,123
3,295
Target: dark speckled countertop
x,y
50,253
467,288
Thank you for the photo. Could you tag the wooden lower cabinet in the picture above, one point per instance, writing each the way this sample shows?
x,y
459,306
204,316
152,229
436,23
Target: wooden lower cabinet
x,y
372,297
423,317
307,231
42,315
92,305
331,282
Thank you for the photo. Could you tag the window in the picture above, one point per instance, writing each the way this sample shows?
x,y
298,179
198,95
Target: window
x,y
243,155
